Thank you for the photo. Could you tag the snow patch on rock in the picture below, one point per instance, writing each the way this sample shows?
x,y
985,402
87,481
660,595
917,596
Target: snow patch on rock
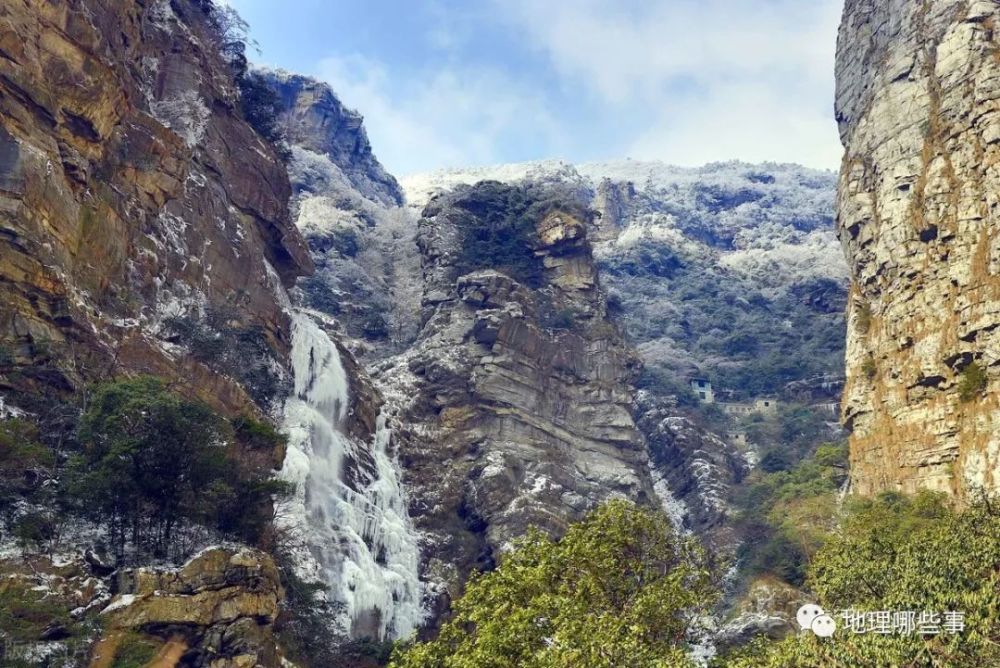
x,y
185,114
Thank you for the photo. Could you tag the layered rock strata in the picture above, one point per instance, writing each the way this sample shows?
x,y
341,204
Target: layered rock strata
x,y
217,610
918,103
513,403
132,192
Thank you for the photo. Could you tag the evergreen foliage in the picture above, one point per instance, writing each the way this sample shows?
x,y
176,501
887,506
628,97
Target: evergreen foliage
x,y
752,341
152,460
221,342
261,108
901,553
973,382
497,232
619,589
498,226
24,462
787,511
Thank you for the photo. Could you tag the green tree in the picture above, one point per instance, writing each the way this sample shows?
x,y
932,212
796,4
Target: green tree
x,y
148,454
261,108
152,459
902,553
498,226
24,462
973,381
498,232
619,589
789,511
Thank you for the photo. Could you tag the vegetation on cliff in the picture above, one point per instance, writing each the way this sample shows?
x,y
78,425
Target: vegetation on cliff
x,y
899,553
686,311
787,512
143,463
498,226
152,460
619,589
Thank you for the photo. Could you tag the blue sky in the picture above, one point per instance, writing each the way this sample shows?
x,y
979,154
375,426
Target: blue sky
x,y
448,83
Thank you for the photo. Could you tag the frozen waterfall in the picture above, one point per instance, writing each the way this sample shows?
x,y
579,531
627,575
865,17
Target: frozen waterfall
x,y
355,537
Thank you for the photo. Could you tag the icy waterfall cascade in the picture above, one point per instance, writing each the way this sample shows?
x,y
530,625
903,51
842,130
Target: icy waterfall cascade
x,y
357,537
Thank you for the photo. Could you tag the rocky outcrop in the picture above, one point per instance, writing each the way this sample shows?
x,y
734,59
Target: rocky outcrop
x,y
349,209
132,192
731,271
918,87
695,467
817,390
513,404
314,119
767,607
612,200
217,610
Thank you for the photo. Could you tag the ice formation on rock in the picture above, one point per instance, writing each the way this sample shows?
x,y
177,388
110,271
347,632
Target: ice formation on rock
x,y
357,538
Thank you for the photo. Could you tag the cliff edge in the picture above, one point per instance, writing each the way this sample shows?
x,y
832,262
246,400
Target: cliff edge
x,y
918,90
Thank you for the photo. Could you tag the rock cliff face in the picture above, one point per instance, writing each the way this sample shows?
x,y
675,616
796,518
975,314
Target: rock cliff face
x,y
143,222
132,194
694,470
733,271
349,210
315,120
917,101
217,610
513,402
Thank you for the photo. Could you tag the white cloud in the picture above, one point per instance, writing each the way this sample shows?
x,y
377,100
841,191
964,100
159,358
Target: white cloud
x,y
683,81
448,117
745,120
748,79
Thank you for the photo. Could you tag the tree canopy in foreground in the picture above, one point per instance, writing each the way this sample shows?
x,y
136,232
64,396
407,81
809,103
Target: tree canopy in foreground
x,y
899,553
619,589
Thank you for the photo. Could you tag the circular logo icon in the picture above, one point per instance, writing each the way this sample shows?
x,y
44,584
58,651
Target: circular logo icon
x,y
806,614
824,626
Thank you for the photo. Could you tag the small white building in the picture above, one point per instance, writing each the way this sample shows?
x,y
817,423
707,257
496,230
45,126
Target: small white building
x,y
739,438
703,389
765,405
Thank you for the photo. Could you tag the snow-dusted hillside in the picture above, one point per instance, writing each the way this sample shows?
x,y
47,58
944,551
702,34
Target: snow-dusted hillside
x,y
771,222
729,270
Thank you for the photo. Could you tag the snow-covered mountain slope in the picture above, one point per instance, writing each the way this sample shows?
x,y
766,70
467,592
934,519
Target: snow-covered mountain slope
x,y
772,222
731,272
681,248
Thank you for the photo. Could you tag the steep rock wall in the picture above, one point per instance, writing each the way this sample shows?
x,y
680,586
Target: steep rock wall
x,y
314,119
131,191
918,102
513,404
690,259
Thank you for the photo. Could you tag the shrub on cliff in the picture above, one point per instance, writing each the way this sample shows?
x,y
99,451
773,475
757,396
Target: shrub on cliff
x,y
261,107
973,382
153,460
228,347
899,553
498,225
788,510
259,102
25,614
749,338
497,233
618,589
24,462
